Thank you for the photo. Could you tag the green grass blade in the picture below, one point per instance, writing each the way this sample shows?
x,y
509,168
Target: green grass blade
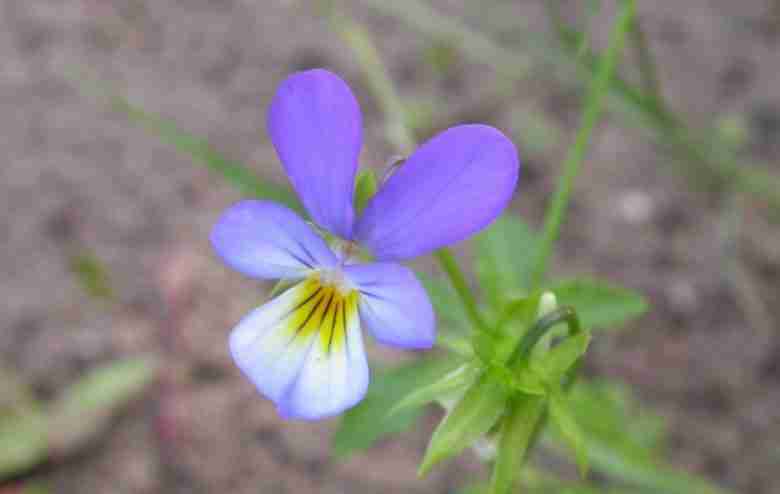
x,y
709,158
599,85
202,152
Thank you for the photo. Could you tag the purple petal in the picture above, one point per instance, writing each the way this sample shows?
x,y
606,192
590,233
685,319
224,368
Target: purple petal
x,y
266,240
393,304
450,187
316,127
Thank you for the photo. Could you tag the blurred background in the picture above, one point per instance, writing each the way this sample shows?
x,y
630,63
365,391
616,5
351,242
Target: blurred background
x,y
104,226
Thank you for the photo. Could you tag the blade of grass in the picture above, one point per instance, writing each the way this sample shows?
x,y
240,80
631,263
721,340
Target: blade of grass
x,y
703,154
197,148
201,151
599,85
384,92
378,79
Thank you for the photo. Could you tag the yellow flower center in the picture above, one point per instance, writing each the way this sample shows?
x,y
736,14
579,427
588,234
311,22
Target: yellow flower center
x,y
326,305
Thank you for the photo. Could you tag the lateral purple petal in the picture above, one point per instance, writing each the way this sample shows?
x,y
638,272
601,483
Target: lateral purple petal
x,y
393,304
452,186
266,240
315,125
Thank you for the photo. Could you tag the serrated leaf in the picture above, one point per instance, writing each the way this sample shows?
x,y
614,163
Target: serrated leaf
x,y
554,364
452,382
471,418
563,420
84,409
600,305
504,253
365,188
517,429
369,421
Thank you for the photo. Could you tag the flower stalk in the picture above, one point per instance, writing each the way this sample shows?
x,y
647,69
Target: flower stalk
x,y
594,106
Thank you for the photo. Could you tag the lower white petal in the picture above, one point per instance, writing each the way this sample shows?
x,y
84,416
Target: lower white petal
x,y
304,351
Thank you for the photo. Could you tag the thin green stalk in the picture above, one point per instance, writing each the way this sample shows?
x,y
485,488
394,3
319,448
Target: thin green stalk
x,y
378,80
701,150
542,326
458,280
384,91
704,153
599,86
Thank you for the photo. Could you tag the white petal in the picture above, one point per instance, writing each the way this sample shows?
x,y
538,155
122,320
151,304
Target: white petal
x,y
303,350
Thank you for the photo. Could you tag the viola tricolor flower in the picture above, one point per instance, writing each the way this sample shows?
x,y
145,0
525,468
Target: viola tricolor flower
x,y
304,349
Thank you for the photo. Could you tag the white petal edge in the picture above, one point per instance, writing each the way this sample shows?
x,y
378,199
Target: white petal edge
x,y
293,369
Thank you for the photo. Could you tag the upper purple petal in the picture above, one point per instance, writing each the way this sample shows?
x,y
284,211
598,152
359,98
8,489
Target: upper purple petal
x,y
266,240
316,127
393,304
450,187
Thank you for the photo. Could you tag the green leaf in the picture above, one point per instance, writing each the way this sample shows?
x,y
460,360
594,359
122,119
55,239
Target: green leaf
x,y
35,488
458,344
517,318
624,441
447,385
554,364
23,442
609,413
651,475
524,380
91,274
569,429
454,327
444,300
85,409
369,421
471,418
504,252
474,489
365,188
201,151
23,427
516,433
600,304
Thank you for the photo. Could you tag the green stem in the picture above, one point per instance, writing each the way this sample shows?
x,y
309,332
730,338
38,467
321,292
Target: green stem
x,y
378,80
560,315
593,108
382,87
458,280
702,152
